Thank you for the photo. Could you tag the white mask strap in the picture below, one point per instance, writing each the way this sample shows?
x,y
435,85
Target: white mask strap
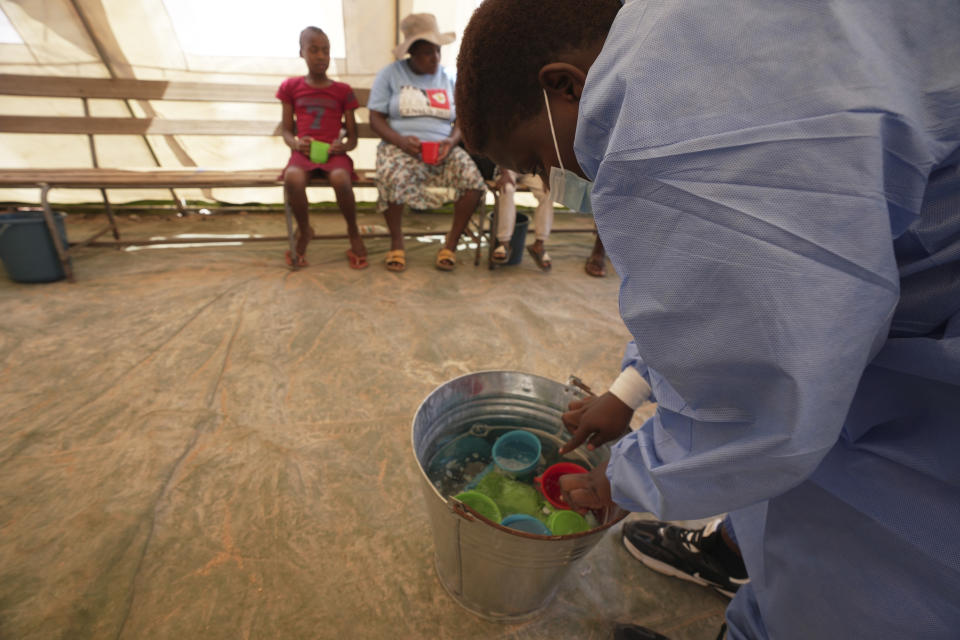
x,y
552,132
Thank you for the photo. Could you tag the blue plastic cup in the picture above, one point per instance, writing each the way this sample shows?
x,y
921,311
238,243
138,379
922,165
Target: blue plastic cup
x,y
517,452
528,524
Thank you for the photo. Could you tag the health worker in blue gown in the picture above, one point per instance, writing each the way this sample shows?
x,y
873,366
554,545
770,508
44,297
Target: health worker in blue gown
x,y
778,186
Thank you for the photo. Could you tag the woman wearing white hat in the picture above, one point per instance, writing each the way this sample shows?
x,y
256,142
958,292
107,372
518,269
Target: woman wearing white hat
x,y
419,161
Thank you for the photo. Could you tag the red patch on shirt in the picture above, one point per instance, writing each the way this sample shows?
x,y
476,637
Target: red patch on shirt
x,y
438,98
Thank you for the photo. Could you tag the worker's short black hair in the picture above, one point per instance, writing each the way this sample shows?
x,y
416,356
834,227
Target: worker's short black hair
x,y
317,30
504,47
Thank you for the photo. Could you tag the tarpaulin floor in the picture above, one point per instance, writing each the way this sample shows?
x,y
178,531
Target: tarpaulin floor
x,y
196,442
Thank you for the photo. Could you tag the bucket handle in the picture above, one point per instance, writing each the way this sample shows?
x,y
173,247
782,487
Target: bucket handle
x,y
461,510
4,227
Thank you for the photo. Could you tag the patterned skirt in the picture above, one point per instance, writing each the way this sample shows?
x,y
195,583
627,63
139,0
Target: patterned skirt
x,y
401,178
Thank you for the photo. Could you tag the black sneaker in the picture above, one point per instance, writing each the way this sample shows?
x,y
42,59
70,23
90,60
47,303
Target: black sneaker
x,y
695,555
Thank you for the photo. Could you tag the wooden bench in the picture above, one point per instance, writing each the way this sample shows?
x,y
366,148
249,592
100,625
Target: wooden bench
x,y
142,92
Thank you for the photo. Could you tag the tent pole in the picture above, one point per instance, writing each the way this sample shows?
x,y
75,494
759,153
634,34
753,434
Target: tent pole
x,y
105,59
396,22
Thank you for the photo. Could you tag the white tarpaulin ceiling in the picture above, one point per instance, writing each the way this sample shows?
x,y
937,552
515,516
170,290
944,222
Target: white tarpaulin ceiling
x,y
225,41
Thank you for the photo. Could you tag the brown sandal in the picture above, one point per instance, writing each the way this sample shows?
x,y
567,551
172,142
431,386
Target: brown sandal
x,y
396,260
446,260
542,259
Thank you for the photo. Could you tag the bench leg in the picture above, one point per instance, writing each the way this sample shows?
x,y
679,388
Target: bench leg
x,y
291,236
109,209
494,221
481,210
62,252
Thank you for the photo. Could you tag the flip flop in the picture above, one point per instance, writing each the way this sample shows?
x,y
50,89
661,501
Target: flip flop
x,y
357,262
301,260
542,259
446,260
501,254
396,260
594,268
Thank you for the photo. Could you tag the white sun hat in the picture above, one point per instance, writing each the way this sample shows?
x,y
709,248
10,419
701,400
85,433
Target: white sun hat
x,y
421,26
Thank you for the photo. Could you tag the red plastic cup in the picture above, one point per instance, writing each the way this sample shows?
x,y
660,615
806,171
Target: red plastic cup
x,y
549,482
430,152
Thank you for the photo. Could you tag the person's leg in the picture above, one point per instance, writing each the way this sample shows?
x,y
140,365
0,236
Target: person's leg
x,y
394,217
343,188
596,263
506,221
395,171
295,182
507,215
463,208
703,556
542,221
458,172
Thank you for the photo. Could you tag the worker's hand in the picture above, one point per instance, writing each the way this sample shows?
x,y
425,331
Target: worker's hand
x,y
444,148
303,145
337,146
587,491
605,418
506,177
411,145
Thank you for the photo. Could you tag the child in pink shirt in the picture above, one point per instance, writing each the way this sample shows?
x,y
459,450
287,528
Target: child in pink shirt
x,y
314,106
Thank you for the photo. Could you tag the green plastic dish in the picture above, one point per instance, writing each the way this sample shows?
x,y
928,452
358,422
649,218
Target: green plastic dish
x,y
563,523
481,504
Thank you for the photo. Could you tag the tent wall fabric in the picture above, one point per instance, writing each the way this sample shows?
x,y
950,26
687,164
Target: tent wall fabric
x,y
122,39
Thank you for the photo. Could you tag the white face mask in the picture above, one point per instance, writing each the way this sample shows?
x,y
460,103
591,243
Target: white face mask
x,y
566,187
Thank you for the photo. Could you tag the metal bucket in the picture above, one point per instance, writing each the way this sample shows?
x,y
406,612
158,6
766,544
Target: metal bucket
x,y
498,573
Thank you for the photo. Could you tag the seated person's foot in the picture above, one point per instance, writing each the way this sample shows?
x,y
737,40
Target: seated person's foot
x,y
357,246
396,260
300,242
446,260
501,253
357,254
596,266
540,255
303,239
696,555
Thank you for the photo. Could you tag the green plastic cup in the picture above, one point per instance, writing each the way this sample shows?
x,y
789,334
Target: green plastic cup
x,y
565,522
481,504
319,151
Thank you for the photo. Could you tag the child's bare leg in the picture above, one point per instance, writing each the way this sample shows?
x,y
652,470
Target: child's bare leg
x,y
394,218
295,184
343,188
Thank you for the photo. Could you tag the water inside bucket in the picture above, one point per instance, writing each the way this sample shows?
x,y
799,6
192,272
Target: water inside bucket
x,y
464,458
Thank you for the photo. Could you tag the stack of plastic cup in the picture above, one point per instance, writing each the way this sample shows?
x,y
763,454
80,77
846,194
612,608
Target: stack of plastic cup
x,y
549,482
565,522
527,524
481,504
516,453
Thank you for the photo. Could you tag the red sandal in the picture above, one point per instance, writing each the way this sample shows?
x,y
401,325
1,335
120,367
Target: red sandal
x,y
301,260
357,262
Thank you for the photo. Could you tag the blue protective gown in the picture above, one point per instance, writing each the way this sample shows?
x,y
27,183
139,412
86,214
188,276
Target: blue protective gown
x,y
777,184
